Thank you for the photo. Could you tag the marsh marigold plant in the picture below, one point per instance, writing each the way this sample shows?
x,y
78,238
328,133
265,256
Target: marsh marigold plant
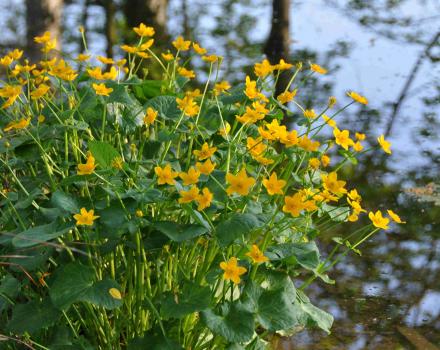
x,y
150,214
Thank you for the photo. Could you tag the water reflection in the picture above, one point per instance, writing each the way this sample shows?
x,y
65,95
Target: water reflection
x,y
387,299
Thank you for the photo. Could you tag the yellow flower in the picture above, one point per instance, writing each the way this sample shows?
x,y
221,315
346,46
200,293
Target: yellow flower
x,y
41,118
210,58
111,74
290,139
309,113
282,65
353,217
358,98
384,144
378,220
357,208
332,184
232,270
129,49
115,293
143,30
6,60
224,131
318,69
357,146
240,183
257,255
82,57
189,196
204,199
21,124
43,38
181,44
314,163
198,49
273,185
95,73
255,146
221,87
11,92
343,138
205,168
85,217
395,217
165,175
331,101
88,167
16,54
293,204
167,56
188,106
186,73
286,96
354,195
40,92
117,163
308,144
251,90
143,54
150,116
329,121
205,152
359,136
101,89
263,69
325,160
145,46
105,60
139,213
193,94
191,177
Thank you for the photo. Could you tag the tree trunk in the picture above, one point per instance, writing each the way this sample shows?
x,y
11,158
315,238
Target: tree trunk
x,y
42,16
110,32
277,44
151,12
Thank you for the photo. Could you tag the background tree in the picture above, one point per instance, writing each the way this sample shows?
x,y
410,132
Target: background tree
x,y
41,16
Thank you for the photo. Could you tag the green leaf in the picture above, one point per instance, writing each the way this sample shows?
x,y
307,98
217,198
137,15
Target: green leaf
x,y
76,282
40,234
236,94
166,106
153,341
178,232
276,310
71,283
305,254
235,227
9,288
99,294
274,306
65,202
236,324
23,204
32,317
339,214
316,316
151,88
103,152
192,298
210,121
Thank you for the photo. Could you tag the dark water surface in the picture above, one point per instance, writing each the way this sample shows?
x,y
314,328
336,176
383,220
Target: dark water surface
x,y
387,299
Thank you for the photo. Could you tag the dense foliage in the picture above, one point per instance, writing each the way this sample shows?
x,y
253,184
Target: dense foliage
x,y
144,214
